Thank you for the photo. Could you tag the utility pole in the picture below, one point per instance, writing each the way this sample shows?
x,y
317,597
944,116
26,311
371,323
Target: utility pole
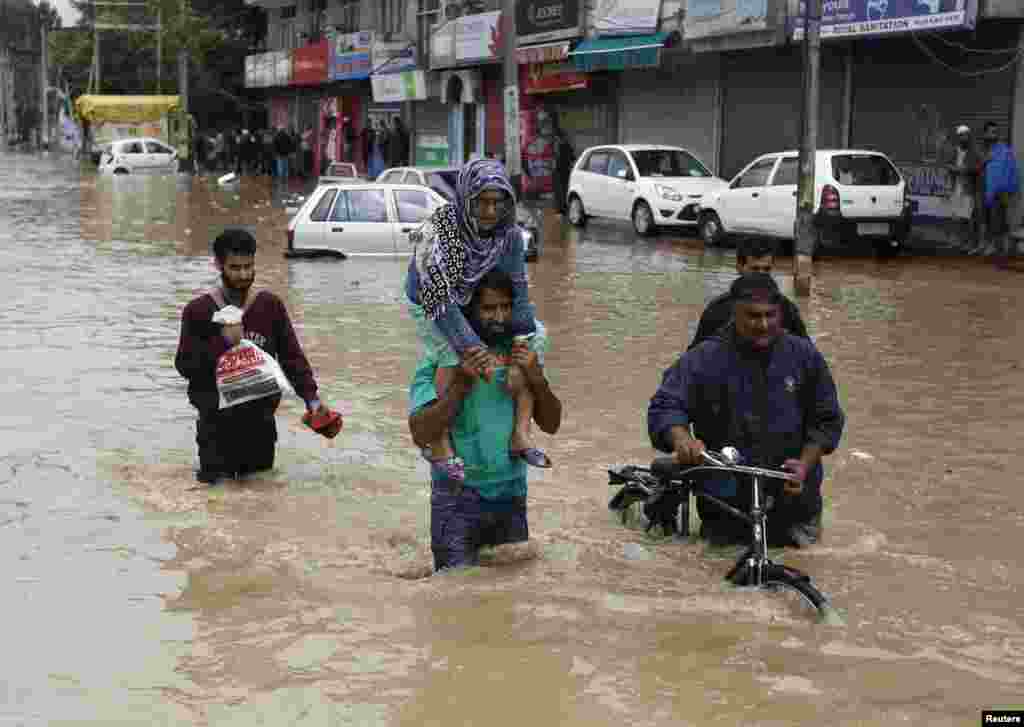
x,y
159,50
806,236
511,74
183,60
44,84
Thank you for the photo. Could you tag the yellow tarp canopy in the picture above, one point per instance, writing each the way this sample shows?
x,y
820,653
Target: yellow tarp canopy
x,y
125,109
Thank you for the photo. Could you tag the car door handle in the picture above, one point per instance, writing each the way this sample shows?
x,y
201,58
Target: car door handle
x,y
337,229
408,229
755,194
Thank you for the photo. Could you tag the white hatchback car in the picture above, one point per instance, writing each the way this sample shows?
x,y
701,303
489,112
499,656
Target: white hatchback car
x,y
139,155
651,185
857,195
361,219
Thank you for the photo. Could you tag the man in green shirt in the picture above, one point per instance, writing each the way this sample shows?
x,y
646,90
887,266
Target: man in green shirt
x,y
489,507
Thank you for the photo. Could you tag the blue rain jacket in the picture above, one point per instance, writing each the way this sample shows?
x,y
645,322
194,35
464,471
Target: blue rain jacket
x,y
1000,173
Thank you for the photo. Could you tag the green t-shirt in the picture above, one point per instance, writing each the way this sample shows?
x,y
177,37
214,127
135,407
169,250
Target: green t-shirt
x,y
481,431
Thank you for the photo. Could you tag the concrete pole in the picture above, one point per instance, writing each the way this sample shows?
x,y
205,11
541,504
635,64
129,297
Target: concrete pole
x,y
44,84
183,86
159,50
806,235
511,93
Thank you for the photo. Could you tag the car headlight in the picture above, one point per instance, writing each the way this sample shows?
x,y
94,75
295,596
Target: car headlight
x,y
668,193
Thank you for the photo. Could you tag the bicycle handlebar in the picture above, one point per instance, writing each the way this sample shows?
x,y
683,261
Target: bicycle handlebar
x,y
667,468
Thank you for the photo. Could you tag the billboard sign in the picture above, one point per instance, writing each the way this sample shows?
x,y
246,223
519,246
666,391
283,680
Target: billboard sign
x,y
858,18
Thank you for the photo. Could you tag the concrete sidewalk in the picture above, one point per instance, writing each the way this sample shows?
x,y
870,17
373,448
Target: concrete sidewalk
x,y
945,239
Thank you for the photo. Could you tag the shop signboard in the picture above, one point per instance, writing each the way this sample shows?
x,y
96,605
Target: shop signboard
x,y
391,57
259,70
707,18
858,18
396,87
626,17
467,40
432,151
553,77
309,64
539,21
350,55
281,63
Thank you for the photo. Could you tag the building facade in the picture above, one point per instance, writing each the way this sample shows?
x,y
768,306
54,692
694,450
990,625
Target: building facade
x,y
722,78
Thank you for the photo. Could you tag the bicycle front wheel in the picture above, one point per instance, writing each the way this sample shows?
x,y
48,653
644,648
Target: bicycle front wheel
x,y
799,593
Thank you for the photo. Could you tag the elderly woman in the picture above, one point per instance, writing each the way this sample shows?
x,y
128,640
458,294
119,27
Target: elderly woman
x,y
459,244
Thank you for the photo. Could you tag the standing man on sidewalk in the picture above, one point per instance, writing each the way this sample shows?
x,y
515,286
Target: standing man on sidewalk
x,y
963,166
1000,180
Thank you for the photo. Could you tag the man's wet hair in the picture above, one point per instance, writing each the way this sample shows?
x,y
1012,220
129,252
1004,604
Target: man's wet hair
x,y
750,246
493,280
755,288
234,241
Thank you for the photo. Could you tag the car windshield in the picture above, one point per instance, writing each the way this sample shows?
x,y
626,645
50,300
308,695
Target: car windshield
x,y
668,163
443,183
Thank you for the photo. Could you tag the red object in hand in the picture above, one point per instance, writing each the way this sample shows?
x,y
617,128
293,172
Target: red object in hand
x,y
327,424
797,468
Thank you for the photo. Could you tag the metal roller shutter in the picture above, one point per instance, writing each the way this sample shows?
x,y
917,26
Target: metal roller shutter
x,y
675,105
906,104
432,118
588,116
762,96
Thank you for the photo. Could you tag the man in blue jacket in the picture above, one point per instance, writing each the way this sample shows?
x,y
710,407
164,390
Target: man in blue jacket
x,y
768,393
1000,180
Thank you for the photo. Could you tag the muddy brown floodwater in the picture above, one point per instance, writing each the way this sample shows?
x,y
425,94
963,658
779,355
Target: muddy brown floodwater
x,y
299,598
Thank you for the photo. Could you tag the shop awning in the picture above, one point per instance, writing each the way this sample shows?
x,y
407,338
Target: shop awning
x,y
546,53
619,54
125,109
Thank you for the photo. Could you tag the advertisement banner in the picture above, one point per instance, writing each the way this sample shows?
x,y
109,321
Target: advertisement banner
x,y
309,64
854,18
391,57
281,65
469,39
350,55
538,21
538,148
707,18
259,70
553,77
626,17
396,87
478,37
432,151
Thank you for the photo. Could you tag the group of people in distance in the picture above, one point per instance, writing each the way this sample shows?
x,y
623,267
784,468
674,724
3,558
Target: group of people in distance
x,y
751,378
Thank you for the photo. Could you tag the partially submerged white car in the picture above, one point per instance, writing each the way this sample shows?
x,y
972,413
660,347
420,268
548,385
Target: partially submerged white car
x,y
364,219
138,155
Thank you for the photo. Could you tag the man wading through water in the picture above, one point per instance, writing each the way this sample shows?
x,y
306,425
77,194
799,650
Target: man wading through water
x,y
487,505
240,439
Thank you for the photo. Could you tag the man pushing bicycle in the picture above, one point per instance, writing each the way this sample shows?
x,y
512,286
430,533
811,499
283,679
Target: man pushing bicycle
x,y
764,391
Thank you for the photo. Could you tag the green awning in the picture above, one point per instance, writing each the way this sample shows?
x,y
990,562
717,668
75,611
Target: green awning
x,y
618,54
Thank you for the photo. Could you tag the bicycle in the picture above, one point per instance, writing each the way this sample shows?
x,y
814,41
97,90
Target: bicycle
x,y
665,489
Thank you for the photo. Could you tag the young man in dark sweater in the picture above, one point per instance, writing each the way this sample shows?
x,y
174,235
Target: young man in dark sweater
x,y
753,255
240,439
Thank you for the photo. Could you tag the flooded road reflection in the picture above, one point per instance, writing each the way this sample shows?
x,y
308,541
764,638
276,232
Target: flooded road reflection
x,y
301,597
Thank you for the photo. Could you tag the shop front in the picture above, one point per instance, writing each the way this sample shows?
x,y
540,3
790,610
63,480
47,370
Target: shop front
x,y
351,63
466,51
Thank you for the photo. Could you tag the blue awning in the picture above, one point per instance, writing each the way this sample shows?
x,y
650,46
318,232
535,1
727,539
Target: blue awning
x,y
619,53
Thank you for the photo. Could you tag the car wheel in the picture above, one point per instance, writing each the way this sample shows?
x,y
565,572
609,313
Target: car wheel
x,y
643,220
711,231
577,216
888,248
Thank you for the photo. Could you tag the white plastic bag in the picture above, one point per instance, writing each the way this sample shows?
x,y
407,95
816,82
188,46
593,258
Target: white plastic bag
x,y
247,372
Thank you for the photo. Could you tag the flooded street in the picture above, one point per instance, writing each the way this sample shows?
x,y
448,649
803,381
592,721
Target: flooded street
x,y
300,597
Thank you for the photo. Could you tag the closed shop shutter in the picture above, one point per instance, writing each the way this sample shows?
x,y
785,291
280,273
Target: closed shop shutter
x,y
762,96
588,116
907,104
675,105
